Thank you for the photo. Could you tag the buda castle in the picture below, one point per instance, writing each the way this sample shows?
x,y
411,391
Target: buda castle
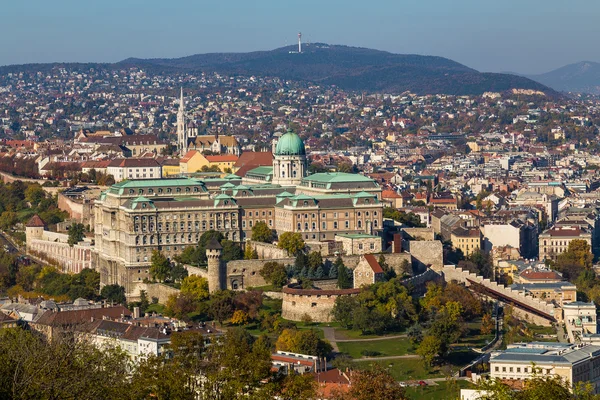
x,y
135,217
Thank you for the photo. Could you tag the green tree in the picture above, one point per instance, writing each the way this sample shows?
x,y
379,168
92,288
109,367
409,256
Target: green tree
x,y
262,233
291,242
415,334
250,253
298,387
231,251
196,287
221,306
160,268
274,273
343,310
113,293
34,194
76,233
178,272
315,260
575,260
300,262
144,303
429,349
344,277
8,219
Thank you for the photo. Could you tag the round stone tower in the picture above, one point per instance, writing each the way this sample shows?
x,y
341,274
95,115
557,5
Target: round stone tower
x,y
34,228
216,278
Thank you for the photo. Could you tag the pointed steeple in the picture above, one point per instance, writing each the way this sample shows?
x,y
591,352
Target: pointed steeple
x,y
182,135
181,104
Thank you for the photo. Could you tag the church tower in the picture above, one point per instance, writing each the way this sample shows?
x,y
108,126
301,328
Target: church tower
x,y
289,163
216,274
181,128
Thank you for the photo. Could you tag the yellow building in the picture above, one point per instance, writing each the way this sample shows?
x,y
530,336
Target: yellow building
x,y
194,161
467,240
223,162
170,167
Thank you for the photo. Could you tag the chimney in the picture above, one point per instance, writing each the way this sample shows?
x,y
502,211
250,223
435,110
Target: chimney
x,y
136,312
397,244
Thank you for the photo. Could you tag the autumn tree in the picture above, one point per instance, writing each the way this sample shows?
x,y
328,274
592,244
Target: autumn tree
x,y
196,287
375,383
429,349
487,324
291,242
575,260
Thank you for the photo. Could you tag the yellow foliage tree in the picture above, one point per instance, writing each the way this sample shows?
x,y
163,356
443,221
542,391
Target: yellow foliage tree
x,y
239,317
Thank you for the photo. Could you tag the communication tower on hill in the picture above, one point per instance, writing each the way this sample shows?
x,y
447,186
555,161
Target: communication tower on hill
x,y
299,42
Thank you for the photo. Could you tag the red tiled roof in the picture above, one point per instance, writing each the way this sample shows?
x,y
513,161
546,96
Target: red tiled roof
x,y
222,158
35,222
251,159
390,194
188,156
540,275
373,263
75,317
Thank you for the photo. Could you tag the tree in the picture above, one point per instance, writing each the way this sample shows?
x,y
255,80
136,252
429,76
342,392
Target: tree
x,y
415,334
411,220
262,233
71,368
575,260
315,260
221,306
144,303
250,253
190,255
274,273
291,242
160,268
178,272
76,233
375,383
8,219
429,349
113,293
300,262
343,310
34,194
180,306
298,387
344,277
303,342
231,251
369,320
333,270
196,287
487,324
239,317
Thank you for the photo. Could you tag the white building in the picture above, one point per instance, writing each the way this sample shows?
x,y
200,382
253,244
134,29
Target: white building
x,y
134,168
573,363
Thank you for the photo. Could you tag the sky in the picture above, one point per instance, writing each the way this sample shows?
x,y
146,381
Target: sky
x,y
524,36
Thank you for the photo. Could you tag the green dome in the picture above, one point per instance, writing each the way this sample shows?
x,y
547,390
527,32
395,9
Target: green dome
x,y
290,144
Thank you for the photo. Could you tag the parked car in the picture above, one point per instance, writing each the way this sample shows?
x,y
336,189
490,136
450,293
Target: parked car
x,y
422,383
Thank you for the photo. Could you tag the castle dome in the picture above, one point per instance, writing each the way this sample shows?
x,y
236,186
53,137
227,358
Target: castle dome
x,y
290,144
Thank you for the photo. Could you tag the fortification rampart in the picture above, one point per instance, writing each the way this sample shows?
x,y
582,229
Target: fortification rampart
x,y
317,304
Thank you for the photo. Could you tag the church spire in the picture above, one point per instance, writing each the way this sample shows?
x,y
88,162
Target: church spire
x,y
182,136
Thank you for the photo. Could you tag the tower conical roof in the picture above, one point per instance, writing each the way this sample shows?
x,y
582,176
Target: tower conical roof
x,y
213,244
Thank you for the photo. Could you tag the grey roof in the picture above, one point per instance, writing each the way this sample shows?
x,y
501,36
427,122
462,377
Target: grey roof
x,y
214,245
553,354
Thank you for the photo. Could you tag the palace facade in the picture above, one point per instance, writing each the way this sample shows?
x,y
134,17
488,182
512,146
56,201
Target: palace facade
x,y
135,217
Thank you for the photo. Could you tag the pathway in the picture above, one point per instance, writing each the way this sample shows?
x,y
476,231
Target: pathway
x,y
329,334
405,356
371,339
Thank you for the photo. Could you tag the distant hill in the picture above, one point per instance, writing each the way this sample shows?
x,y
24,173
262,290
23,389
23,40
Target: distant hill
x,y
351,68
581,77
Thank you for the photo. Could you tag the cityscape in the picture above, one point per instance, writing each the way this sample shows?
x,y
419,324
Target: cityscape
x,y
313,221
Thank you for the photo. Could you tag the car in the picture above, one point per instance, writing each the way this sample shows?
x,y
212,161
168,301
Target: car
x,y
422,383
403,384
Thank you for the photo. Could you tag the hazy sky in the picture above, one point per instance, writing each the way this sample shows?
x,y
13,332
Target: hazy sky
x,y
526,36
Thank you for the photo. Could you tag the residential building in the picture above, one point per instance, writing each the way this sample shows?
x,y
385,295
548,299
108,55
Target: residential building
x,y
468,240
134,168
555,241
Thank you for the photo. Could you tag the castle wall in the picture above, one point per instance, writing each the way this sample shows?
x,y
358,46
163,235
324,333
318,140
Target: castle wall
x,y
82,212
267,251
317,304
53,248
427,253
424,233
158,290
